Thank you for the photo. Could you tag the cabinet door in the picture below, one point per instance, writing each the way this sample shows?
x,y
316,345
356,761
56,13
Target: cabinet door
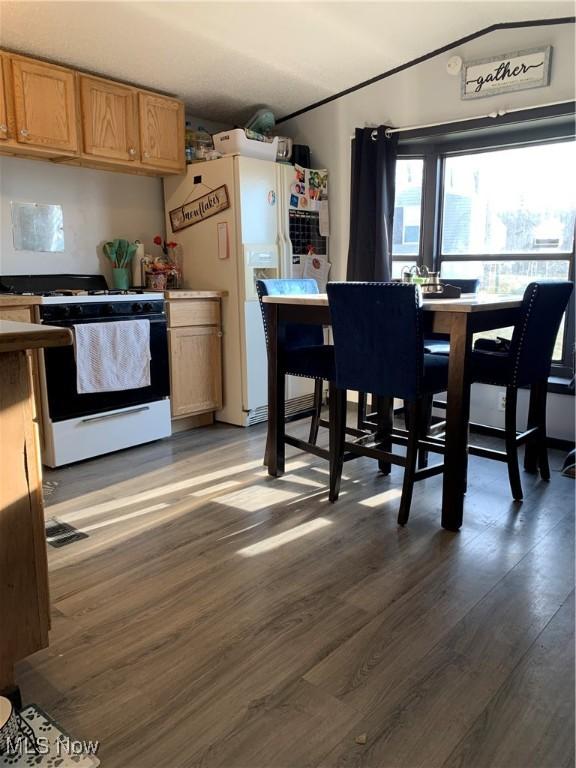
x,y
3,104
195,370
45,105
109,119
161,132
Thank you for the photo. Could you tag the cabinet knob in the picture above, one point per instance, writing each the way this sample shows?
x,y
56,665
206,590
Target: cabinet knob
x,y
219,334
3,128
131,151
24,132
146,154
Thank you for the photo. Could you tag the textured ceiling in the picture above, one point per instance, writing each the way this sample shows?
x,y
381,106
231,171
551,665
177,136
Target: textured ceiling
x,y
224,59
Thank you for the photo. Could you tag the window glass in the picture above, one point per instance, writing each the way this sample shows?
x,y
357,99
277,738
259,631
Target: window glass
x,y
499,278
510,201
407,207
398,266
507,277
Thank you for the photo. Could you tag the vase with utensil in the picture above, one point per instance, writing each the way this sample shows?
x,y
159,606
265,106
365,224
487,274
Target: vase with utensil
x,y
120,253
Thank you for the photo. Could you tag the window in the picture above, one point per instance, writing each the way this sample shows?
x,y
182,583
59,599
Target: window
x,y
508,219
513,201
495,201
407,213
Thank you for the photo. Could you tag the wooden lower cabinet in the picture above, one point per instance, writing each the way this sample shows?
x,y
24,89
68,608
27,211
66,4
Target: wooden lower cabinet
x,y
195,343
196,370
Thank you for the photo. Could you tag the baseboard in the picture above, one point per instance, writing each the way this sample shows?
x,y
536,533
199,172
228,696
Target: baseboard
x,y
192,422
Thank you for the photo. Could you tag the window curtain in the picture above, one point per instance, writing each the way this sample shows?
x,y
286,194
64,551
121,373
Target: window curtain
x,y
372,205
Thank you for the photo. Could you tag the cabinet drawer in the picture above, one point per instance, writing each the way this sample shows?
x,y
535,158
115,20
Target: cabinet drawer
x,y
18,314
196,312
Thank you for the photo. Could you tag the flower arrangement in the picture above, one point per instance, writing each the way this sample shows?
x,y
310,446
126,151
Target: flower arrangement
x,y
164,245
164,271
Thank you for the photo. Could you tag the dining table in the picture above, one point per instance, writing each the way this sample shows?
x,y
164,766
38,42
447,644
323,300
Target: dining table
x,y
459,319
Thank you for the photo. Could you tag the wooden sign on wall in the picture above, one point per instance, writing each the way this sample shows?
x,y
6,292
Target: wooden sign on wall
x,y
508,72
202,208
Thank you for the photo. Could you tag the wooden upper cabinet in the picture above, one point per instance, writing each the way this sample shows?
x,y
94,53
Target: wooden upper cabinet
x,y
161,132
109,119
44,105
3,104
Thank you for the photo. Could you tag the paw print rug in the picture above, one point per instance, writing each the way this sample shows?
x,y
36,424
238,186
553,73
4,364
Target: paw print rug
x,y
41,743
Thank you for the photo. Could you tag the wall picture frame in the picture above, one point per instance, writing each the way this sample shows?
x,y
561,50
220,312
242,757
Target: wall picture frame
x,y
516,71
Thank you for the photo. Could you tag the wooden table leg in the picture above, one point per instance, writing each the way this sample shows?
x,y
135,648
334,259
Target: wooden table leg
x,y
457,417
275,447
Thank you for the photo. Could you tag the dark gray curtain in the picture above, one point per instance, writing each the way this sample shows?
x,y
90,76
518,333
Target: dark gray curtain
x,y
372,205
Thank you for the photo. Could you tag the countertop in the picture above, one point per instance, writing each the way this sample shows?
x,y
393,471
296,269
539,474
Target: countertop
x,y
185,293
16,337
9,300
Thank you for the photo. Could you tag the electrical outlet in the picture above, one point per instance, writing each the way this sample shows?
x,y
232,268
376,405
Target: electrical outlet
x,y
502,401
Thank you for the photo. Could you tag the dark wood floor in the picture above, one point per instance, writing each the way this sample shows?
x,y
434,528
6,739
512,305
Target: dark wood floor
x,y
216,617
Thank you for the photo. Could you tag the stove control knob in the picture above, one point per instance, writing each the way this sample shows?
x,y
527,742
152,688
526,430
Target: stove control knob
x,y
137,307
77,311
148,307
64,311
109,309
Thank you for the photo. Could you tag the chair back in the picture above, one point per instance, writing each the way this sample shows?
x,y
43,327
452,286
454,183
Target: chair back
x,y
378,342
535,333
466,284
291,335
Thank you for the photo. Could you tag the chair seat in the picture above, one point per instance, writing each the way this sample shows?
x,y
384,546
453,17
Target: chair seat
x,y
314,362
437,346
435,373
490,367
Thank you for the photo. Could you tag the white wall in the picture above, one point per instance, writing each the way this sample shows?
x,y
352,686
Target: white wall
x,y
422,94
425,94
97,206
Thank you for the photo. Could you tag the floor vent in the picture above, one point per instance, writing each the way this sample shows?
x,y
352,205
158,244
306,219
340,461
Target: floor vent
x,y
60,534
293,407
48,487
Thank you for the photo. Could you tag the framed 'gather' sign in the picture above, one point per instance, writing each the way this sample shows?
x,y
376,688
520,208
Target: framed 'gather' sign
x,y
508,72
202,208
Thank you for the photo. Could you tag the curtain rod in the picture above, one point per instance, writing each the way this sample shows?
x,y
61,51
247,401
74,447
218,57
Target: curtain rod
x,y
494,115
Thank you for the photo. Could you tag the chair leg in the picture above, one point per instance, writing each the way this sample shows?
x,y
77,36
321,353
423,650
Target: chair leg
x,y
361,417
423,431
511,444
383,436
543,465
315,422
415,418
531,449
337,418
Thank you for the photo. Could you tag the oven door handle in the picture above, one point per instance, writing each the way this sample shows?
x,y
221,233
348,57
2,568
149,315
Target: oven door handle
x,y
118,413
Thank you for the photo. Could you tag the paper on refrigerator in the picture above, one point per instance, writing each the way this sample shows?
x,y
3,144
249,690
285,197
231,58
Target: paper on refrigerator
x,y
316,267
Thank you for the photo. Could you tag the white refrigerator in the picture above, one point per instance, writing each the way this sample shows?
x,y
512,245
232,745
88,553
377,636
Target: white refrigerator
x,y
228,249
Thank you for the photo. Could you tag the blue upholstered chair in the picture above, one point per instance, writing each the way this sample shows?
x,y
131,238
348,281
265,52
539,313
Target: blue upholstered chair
x,y
525,362
379,348
437,344
301,350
